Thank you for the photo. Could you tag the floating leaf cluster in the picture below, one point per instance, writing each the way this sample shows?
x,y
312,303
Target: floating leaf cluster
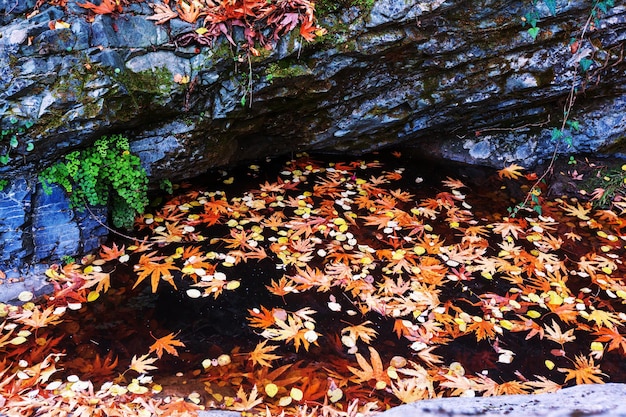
x,y
382,295
263,22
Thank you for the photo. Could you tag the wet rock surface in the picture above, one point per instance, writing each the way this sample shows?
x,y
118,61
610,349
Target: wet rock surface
x,y
580,401
462,80
583,400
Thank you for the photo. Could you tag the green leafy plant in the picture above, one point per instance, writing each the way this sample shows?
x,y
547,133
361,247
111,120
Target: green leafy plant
x,y
105,173
66,259
532,17
167,186
325,7
11,137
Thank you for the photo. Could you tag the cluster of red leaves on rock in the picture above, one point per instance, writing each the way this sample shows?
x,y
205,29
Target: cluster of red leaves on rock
x,y
262,21
441,276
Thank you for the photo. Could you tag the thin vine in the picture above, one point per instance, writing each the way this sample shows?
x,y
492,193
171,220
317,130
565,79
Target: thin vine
x,y
558,134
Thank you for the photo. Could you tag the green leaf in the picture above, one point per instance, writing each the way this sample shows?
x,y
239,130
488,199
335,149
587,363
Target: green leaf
x,y
530,18
13,142
551,4
574,124
30,146
4,159
556,134
585,64
568,140
533,32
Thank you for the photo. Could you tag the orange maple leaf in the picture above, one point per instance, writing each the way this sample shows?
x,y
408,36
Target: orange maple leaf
x,y
616,340
374,371
261,354
585,371
452,183
36,318
189,11
247,402
166,343
262,318
293,330
511,172
105,7
103,367
113,252
147,267
101,280
282,287
180,407
483,329
360,331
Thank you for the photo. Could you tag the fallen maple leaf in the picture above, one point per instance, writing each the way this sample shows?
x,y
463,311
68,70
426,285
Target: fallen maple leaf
x,y
105,7
156,270
245,402
142,364
360,331
511,172
577,211
37,318
261,354
111,253
166,343
555,334
585,371
374,371
162,13
189,10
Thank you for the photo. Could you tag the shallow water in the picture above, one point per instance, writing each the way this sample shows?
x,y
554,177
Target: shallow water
x,y
126,321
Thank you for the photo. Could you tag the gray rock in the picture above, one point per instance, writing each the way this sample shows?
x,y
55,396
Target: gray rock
x,y
54,227
605,400
15,211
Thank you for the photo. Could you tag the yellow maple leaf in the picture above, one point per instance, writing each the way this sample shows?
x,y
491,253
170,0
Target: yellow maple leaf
x,y
142,364
261,354
360,331
511,172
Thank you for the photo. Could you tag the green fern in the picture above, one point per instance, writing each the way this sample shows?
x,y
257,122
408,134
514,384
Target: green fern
x,y
105,173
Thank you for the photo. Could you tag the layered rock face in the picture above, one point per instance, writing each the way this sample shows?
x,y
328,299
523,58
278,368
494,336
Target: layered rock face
x,y
459,79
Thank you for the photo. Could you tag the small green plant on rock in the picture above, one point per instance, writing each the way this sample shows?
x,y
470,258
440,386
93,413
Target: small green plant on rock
x,y
325,7
10,138
105,173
